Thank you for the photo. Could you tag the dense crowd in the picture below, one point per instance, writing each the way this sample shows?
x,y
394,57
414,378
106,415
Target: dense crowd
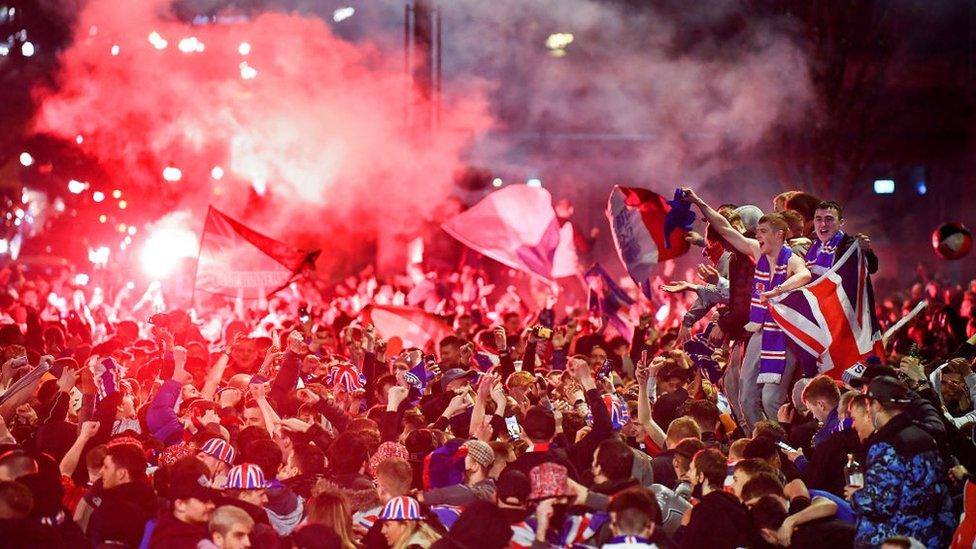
x,y
294,423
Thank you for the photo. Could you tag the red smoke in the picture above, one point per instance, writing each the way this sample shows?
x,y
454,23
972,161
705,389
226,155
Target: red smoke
x,y
320,126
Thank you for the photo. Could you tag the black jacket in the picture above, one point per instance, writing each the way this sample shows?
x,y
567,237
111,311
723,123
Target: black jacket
x,y
122,513
719,521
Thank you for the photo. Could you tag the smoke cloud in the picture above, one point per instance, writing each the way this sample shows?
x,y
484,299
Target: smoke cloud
x,y
660,96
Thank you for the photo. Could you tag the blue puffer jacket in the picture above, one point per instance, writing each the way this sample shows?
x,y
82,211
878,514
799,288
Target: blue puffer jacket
x,y
905,488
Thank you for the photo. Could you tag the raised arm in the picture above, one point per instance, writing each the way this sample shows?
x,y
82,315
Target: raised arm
x,y
738,241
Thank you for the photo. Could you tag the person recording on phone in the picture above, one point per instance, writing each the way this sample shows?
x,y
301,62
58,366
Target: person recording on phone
x,y
539,426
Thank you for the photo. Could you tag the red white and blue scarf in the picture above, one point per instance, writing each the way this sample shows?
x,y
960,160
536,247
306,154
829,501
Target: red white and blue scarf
x,y
772,358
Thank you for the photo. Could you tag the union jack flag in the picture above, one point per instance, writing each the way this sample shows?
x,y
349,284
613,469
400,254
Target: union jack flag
x,y
833,318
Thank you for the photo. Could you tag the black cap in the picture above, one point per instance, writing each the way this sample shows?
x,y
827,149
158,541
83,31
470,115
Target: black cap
x,y
513,484
870,372
186,487
889,389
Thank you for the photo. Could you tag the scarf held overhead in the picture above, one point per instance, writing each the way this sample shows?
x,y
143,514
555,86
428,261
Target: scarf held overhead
x,y
772,358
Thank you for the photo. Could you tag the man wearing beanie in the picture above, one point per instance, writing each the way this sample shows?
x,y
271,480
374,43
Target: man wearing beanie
x,y
477,484
539,426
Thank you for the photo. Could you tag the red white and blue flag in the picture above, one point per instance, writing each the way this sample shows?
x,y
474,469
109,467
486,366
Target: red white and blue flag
x,y
833,318
517,227
609,300
637,221
237,261
415,327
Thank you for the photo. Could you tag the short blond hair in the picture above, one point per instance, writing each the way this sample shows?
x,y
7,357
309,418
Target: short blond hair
x,y
225,517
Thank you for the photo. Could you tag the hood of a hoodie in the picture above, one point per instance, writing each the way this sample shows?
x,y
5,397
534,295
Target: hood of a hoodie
x,y
285,509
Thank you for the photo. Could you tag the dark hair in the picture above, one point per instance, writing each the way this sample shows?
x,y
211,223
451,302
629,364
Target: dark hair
x,y
573,421
705,413
768,513
347,453
615,458
451,340
830,204
634,510
17,498
250,434
763,484
95,456
753,467
769,428
794,223
761,447
539,423
130,458
803,203
711,463
265,454
310,459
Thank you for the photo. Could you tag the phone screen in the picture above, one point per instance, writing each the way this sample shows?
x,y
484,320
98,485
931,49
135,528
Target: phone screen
x,y
511,423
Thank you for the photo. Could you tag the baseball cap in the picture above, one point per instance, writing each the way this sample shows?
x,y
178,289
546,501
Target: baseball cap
x,y
514,485
454,374
889,389
870,372
186,487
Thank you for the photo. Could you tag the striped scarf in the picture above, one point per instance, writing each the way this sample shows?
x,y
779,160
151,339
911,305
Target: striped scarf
x,y
772,358
820,256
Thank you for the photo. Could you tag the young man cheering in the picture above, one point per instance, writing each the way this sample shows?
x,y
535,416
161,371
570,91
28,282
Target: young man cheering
x,y
767,373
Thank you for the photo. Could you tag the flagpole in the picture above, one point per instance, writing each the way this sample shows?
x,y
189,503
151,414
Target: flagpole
x,y
905,320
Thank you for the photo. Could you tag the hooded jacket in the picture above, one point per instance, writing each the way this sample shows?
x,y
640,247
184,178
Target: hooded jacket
x,y
905,490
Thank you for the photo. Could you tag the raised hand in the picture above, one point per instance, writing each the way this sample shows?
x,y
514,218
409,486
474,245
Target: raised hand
x,y
678,286
88,429
501,339
708,273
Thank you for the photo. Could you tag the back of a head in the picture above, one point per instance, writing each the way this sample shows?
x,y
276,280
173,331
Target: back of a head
x,y
310,459
16,464
130,458
761,447
705,413
633,511
482,525
712,464
265,454
763,484
803,203
316,536
768,512
226,516
16,500
682,428
327,507
396,475
752,467
513,487
539,423
616,459
347,454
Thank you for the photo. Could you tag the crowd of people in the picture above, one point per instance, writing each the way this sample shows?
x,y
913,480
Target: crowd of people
x,y
295,423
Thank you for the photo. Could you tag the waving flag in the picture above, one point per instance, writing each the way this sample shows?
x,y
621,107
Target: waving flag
x,y
236,261
638,218
416,327
833,318
517,227
609,299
